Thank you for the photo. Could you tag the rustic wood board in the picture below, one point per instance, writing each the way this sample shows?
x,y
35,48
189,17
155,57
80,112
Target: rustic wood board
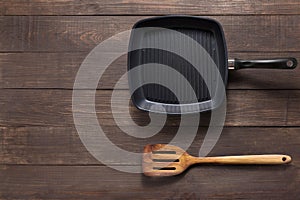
x,y
62,145
58,71
43,43
271,33
90,182
161,7
54,108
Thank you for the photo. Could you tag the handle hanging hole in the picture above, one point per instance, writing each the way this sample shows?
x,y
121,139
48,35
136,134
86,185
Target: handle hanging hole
x,y
290,63
283,159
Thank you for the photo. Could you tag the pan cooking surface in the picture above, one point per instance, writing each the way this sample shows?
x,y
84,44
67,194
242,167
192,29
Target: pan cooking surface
x,y
158,93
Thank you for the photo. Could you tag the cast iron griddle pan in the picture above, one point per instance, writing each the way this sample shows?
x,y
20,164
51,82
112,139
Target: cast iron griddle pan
x,y
209,34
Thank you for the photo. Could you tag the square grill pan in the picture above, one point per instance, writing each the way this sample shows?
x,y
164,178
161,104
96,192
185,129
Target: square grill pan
x,y
207,32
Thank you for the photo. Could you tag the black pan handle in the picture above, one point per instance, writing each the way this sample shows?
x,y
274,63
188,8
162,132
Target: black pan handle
x,y
278,63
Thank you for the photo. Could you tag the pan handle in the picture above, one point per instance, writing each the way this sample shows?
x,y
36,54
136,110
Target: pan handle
x,y
278,63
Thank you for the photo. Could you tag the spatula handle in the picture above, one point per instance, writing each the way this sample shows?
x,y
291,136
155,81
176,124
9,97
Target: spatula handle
x,y
249,159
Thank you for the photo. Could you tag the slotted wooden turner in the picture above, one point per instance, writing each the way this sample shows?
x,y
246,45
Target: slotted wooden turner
x,y
169,160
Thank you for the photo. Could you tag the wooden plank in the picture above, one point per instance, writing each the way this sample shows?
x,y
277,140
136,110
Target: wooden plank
x,y
136,7
62,145
54,108
202,182
274,33
294,106
58,70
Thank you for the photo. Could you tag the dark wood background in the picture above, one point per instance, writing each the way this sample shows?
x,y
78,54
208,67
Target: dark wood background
x,y
43,43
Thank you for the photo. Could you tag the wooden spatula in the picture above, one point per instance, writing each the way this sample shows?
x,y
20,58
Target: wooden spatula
x,y
168,160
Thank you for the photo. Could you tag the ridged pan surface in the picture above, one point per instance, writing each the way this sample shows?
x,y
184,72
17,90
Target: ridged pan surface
x,y
206,32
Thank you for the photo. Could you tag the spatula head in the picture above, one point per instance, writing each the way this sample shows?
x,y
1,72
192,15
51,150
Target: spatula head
x,y
164,160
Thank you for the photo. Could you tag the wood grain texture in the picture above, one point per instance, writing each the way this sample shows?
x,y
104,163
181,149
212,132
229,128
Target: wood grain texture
x,y
54,108
62,146
209,182
274,33
136,7
43,43
58,70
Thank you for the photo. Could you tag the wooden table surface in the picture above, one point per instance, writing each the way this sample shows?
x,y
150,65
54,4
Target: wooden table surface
x,y
43,43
